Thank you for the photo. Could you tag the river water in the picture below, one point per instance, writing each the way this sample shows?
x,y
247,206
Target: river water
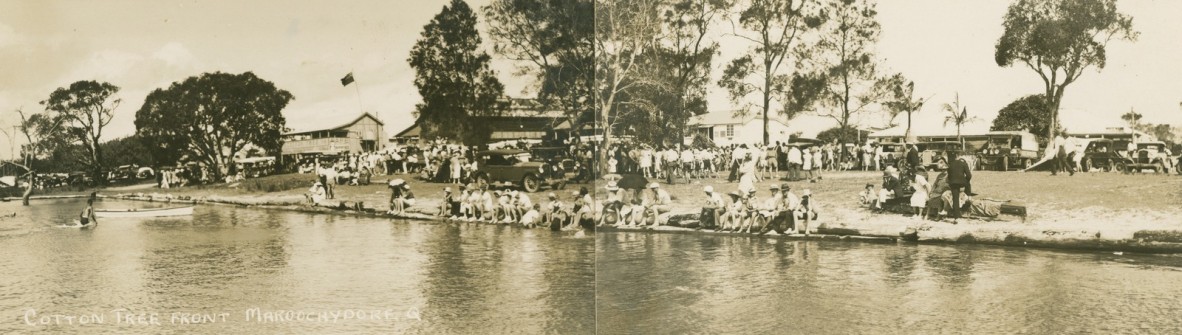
x,y
677,284
229,270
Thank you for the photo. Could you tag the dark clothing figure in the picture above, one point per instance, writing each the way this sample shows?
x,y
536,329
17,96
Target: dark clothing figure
x,y
913,159
959,176
1062,164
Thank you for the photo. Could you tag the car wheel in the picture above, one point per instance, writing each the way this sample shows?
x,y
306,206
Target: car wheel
x,y
1119,167
1027,162
1087,165
531,183
1160,168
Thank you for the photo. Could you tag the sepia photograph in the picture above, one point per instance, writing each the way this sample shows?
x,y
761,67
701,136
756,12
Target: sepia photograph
x,y
888,167
295,167
590,167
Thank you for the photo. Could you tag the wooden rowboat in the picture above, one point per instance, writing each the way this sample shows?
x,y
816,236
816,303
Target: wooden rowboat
x,y
143,212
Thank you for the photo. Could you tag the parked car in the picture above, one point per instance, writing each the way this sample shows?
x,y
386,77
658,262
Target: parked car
x,y
891,153
1102,154
558,156
1151,155
1007,150
931,153
514,168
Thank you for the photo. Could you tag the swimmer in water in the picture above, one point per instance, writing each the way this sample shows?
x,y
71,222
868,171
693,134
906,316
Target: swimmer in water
x,y
87,215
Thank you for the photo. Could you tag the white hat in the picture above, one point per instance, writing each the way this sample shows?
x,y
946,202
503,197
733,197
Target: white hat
x,y
552,195
611,186
447,189
654,185
807,192
397,182
709,189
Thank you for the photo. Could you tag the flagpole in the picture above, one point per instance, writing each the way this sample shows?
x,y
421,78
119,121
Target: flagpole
x,y
357,88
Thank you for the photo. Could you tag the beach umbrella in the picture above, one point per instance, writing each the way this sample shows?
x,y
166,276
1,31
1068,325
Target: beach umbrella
x,y
633,181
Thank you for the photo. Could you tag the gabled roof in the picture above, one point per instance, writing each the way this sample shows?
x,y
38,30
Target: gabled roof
x,y
336,119
413,131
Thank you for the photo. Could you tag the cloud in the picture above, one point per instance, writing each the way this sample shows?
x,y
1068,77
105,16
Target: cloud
x,y
175,55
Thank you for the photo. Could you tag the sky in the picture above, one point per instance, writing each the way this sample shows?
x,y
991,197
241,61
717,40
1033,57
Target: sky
x,y
305,47
946,47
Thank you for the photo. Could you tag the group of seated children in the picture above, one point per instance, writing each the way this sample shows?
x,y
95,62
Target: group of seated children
x,y
645,209
511,206
779,211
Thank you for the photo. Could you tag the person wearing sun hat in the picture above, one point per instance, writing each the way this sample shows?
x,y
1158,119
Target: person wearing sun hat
x,y
736,212
657,202
316,193
611,212
807,212
713,211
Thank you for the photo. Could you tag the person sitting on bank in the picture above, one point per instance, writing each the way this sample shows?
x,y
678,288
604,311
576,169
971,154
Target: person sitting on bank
x,y
736,211
867,198
890,181
658,203
400,197
714,211
583,208
612,211
532,217
770,208
450,206
807,212
554,209
523,203
504,207
316,193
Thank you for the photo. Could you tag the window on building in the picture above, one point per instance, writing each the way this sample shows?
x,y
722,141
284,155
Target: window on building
x,y
730,131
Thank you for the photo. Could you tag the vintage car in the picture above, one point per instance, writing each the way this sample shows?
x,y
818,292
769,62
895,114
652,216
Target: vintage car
x,y
558,156
1103,155
931,153
892,153
1009,150
1150,155
514,168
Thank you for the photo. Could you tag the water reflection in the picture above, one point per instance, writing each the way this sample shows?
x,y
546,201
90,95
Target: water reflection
x,y
463,278
655,283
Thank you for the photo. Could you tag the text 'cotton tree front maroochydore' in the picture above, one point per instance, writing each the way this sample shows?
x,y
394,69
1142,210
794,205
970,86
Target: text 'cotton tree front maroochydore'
x,y
453,77
211,117
84,109
1059,39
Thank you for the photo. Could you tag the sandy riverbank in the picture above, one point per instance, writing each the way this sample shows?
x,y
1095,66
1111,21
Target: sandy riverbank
x,y
1091,210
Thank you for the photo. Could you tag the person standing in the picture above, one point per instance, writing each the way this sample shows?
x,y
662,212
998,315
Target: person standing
x,y
795,159
959,176
1060,156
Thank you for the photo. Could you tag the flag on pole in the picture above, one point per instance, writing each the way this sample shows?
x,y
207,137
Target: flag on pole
x,y
348,79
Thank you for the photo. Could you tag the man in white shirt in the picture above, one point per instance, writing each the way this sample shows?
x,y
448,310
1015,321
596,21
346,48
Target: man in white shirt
x,y
795,159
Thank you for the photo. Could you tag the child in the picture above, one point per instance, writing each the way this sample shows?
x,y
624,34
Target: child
x,y
530,218
867,197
